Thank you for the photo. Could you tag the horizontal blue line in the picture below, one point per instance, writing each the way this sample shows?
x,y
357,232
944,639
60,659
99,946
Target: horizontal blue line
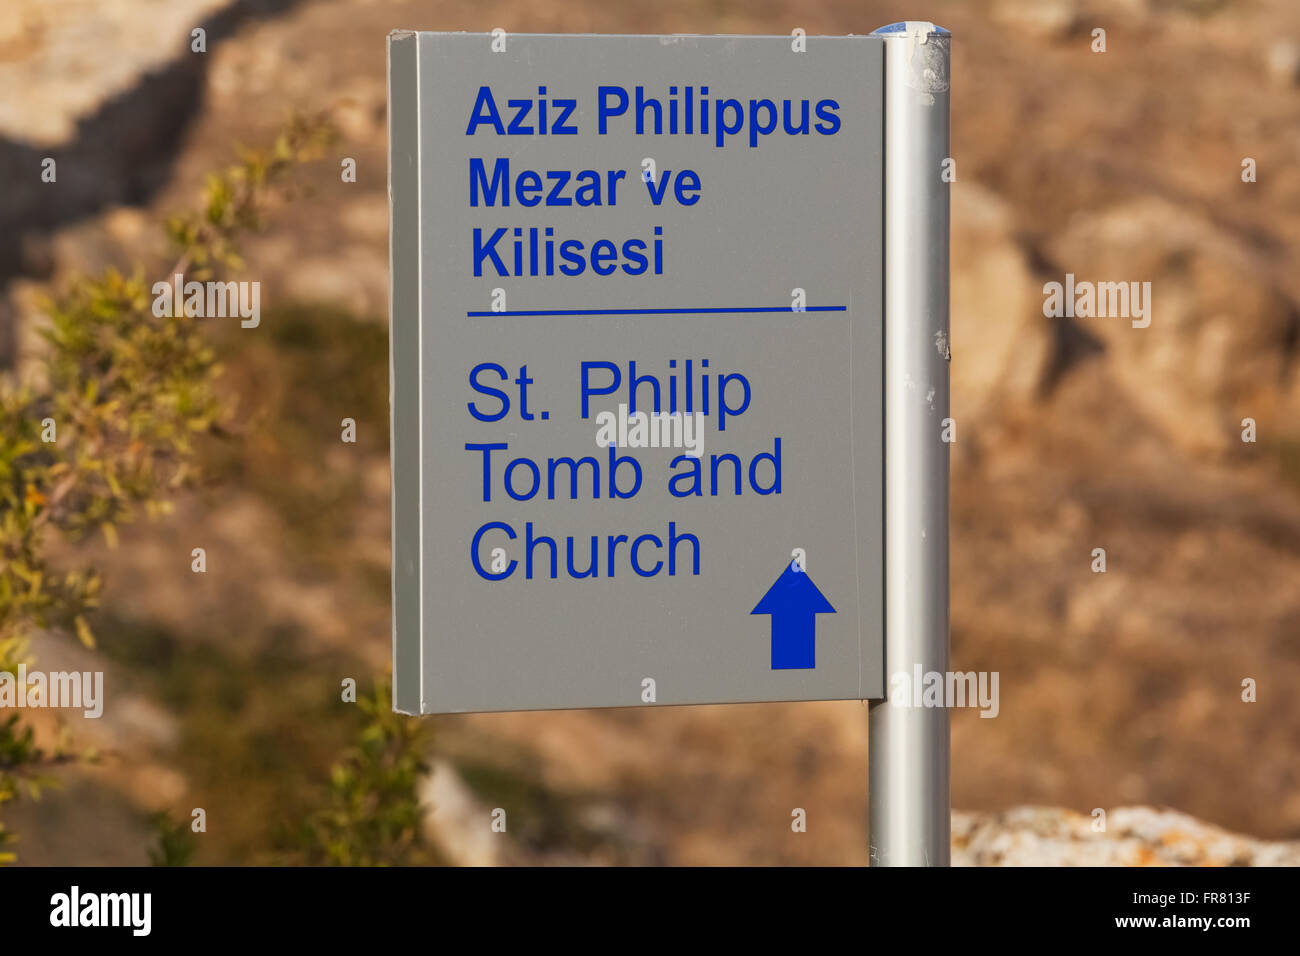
x,y
731,311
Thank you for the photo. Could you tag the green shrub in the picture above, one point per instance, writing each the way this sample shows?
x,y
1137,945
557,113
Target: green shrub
x,y
104,426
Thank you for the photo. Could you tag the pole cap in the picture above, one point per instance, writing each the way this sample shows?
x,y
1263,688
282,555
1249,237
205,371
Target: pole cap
x,y
910,28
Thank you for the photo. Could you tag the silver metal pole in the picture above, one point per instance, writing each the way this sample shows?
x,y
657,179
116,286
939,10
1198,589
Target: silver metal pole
x,y
908,742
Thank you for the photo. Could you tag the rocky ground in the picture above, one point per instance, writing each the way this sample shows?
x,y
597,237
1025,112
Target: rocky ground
x,y
1120,691
1134,836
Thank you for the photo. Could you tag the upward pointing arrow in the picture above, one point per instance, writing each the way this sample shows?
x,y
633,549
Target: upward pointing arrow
x,y
794,603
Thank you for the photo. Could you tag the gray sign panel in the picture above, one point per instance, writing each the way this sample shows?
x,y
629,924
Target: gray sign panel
x,y
587,230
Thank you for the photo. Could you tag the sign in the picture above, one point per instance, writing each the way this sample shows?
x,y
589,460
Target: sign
x,y
637,410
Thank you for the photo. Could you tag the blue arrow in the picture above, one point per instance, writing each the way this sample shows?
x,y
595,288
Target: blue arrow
x,y
794,603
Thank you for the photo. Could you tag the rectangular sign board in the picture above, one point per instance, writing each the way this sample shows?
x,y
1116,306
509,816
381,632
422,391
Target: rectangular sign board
x,y
637,420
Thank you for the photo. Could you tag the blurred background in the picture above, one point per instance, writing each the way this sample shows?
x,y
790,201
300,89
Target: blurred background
x,y
1121,689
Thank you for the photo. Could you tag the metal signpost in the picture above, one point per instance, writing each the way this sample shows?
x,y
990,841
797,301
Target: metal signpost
x,y
908,746
669,372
